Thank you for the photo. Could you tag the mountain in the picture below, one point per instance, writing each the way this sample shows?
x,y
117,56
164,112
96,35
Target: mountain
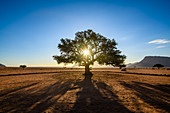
x,y
149,61
1,65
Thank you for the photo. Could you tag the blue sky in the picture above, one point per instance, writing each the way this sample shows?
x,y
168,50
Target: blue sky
x,y
30,30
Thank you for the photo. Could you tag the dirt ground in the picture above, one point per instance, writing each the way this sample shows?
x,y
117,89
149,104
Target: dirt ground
x,y
37,90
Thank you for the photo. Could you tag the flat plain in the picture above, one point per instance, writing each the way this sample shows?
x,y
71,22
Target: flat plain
x,y
58,90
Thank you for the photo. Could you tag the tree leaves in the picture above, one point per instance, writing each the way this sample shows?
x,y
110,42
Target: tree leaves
x,y
101,49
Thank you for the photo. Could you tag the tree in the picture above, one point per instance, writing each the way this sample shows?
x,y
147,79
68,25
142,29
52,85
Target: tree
x,y
88,47
23,66
122,65
158,66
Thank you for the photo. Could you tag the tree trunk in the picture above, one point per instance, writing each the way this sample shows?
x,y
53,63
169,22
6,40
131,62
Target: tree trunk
x,y
87,69
88,74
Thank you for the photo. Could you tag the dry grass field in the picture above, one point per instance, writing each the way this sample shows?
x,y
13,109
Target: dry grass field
x,y
36,90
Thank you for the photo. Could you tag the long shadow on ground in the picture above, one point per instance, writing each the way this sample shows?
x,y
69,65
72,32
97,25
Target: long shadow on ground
x,y
93,97
34,100
99,99
157,96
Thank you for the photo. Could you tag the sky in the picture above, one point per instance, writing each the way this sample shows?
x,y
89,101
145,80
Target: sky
x,y
30,30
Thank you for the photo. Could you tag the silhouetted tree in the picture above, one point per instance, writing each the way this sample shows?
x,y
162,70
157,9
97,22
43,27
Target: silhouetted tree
x,y
158,66
88,47
122,65
23,66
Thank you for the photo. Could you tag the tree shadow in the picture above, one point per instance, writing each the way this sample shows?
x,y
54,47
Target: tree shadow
x,y
93,96
155,95
35,101
14,90
96,97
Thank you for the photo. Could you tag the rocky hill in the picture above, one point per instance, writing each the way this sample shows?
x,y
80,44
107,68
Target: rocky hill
x,y
149,61
1,65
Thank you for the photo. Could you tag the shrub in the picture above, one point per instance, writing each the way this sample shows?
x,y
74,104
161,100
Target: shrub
x,y
158,66
124,69
123,65
23,66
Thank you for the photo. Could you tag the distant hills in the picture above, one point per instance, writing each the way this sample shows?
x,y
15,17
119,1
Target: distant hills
x,y
1,65
149,61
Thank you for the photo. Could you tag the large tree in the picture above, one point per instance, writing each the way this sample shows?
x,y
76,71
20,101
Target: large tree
x,y
88,47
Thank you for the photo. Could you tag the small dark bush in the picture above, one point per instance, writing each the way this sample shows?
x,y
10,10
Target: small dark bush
x,y
23,66
124,69
158,66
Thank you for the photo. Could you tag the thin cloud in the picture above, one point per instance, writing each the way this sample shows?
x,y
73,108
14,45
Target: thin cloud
x,y
159,41
160,46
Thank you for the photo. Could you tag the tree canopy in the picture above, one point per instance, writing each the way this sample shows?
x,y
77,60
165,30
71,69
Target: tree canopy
x,y
158,65
23,66
88,47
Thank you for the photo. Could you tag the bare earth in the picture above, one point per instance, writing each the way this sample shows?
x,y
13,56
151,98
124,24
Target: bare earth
x,y
37,90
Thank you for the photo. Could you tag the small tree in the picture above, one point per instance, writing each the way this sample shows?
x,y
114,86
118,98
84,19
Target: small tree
x,y
23,66
158,66
88,47
122,65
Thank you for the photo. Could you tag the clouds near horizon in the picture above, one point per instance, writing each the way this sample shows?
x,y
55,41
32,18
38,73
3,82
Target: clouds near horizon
x,y
159,41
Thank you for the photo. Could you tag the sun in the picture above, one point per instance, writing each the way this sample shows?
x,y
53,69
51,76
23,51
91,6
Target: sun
x,y
86,52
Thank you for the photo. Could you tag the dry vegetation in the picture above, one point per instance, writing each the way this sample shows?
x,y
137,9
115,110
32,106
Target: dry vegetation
x,y
37,90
